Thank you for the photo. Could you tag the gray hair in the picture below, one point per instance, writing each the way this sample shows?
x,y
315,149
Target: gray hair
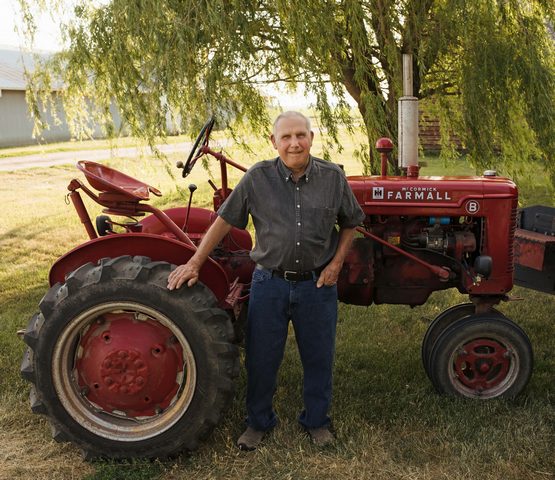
x,y
289,114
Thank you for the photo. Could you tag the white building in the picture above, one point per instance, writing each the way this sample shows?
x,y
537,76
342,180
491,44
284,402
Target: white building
x,y
16,124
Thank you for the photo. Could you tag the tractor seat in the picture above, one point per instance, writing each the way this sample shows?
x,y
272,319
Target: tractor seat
x,y
110,181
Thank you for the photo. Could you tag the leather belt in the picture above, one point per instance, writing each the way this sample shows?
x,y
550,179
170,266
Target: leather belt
x,y
293,276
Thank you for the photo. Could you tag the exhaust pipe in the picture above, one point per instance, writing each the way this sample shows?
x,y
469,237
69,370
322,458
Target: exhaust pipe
x,y
408,123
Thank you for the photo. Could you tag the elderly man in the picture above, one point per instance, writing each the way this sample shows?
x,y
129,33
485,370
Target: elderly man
x,y
295,201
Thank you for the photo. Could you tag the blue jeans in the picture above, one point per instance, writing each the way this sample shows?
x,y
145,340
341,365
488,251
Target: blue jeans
x,y
313,311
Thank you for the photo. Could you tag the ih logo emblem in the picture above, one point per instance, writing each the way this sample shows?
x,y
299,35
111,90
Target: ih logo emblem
x,y
377,193
472,207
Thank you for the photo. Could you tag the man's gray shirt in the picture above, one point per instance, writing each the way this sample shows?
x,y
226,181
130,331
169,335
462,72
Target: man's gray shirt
x,y
294,222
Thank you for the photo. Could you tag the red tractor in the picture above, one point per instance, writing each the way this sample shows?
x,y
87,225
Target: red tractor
x,y
123,367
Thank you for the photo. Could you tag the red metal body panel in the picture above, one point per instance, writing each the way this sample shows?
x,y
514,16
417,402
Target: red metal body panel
x,y
397,194
158,248
488,204
531,248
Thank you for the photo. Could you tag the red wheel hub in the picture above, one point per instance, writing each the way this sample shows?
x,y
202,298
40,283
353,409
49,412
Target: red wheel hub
x,y
124,372
129,366
482,364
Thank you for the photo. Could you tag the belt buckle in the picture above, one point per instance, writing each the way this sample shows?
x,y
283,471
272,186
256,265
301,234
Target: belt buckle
x,y
289,272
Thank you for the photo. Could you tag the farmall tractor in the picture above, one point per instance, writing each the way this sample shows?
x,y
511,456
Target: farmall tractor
x,y
123,367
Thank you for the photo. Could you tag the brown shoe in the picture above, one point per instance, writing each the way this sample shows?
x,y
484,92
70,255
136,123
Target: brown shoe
x,y
250,439
321,436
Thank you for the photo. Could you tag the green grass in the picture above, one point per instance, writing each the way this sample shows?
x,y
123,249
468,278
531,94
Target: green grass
x,y
390,423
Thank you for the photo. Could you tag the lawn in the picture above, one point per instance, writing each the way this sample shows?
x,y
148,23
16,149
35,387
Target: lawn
x,y
390,423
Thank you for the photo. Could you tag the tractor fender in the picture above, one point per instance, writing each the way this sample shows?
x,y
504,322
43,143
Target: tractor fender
x,y
156,247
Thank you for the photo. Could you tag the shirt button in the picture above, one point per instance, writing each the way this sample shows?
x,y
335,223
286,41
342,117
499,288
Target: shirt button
x,y
298,188
296,261
299,224
298,206
298,243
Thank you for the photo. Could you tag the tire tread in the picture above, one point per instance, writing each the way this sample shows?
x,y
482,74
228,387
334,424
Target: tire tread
x,y
212,323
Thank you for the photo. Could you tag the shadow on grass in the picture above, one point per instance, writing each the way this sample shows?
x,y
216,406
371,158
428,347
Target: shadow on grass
x,y
126,470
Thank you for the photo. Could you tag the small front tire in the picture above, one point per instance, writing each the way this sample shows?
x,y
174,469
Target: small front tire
x,y
482,357
443,321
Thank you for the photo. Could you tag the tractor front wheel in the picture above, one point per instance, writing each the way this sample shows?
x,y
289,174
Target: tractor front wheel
x,y
443,321
124,367
482,356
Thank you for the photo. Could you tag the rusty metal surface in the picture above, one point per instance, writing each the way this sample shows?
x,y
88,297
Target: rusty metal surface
x,y
534,236
535,260
531,249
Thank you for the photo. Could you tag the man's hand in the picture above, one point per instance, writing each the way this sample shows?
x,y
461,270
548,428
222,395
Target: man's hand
x,y
329,275
183,273
189,272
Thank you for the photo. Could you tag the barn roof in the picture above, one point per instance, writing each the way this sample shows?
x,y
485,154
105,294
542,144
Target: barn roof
x,y
12,67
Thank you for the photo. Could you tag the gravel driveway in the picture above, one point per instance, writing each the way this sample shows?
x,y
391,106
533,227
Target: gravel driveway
x,y
63,158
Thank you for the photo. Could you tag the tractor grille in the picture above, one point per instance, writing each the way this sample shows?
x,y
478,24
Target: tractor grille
x,y
512,228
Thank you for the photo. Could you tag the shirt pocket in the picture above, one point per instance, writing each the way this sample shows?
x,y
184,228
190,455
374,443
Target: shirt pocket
x,y
321,221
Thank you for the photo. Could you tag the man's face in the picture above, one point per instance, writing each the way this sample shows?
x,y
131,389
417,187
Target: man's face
x,y
293,140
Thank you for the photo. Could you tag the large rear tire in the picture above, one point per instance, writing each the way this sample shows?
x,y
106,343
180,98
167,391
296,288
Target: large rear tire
x,y
124,367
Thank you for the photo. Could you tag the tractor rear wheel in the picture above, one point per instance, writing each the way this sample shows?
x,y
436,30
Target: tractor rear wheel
x,y
482,356
124,367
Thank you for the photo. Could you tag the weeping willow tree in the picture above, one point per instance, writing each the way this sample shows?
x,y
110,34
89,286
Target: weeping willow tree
x,y
487,67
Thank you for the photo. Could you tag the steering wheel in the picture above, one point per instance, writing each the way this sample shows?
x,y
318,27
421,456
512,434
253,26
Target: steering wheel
x,y
196,151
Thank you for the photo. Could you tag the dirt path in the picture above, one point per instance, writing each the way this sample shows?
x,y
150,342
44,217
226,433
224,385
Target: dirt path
x,y
63,158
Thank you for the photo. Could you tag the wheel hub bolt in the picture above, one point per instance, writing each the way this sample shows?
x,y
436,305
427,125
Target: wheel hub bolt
x,y
124,372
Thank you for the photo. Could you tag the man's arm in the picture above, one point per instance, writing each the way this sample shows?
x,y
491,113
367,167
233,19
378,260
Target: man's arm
x,y
189,271
330,274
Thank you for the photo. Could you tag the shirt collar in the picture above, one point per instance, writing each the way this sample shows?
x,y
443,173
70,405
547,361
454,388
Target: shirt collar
x,y
286,174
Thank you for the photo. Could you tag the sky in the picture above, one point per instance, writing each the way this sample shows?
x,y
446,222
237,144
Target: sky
x,y
47,37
